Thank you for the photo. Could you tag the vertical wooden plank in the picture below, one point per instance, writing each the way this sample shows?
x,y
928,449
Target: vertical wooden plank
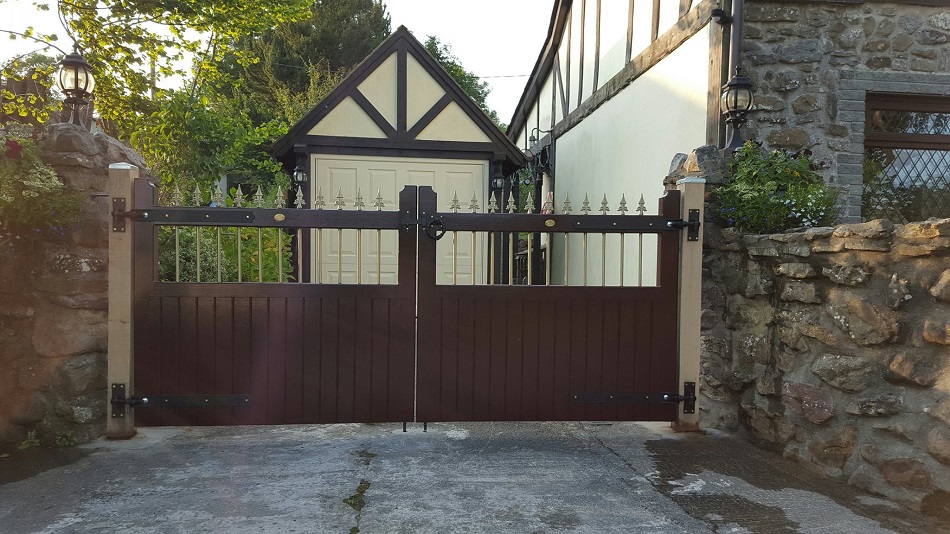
x,y
204,358
363,360
610,344
242,359
532,362
563,371
260,346
329,354
580,68
496,375
690,297
655,26
595,355
466,359
276,363
166,334
312,340
482,356
626,372
346,378
448,361
224,357
629,53
643,359
567,62
379,366
578,351
150,374
547,393
515,360
293,376
597,48
188,360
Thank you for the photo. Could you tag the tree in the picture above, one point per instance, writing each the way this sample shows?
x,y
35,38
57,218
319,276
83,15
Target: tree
x,y
26,84
469,81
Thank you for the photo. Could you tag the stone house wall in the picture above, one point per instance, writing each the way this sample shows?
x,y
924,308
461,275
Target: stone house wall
x,y
813,61
53,302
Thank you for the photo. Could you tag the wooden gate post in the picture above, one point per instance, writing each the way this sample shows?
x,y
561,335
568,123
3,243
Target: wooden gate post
x,y
121,179
690,298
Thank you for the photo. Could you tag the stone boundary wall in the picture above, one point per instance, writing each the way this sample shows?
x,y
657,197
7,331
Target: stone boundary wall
x,y
832,346
53,302
812,63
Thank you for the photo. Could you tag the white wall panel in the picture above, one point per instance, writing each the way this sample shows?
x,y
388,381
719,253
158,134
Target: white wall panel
x,y
669,14
590,48
613,38
546,96
575,69
642,25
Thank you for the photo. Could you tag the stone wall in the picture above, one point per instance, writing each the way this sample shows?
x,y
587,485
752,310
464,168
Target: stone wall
x,y
812,63
53,303
832,345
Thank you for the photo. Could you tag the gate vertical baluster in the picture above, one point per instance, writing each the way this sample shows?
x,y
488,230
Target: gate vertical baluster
x,y
197,199
297,260
492,208
339,238
379,262
566,209
548,209
177,201
359,239
529,208
603,245
239,203
511,240
473,206
623,211
259,203
641,209
454,206
218,201
279,203
585,209
319,204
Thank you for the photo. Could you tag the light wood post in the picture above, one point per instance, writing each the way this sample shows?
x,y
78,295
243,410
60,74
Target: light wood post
x,y
121,179
691,280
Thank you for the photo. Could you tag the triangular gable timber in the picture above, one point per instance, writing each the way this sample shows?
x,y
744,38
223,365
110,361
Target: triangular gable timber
x,y
399,101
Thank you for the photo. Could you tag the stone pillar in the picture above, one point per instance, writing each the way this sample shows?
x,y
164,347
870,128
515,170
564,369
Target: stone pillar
x,y
692,190
121,179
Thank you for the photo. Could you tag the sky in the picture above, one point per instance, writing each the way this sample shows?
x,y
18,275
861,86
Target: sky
x,y
498,40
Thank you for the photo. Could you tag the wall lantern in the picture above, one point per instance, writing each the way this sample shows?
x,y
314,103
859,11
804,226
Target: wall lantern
x,y
300,174
76,82
736,102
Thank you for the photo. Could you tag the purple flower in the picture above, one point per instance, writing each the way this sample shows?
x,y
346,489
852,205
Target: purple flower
x,y
13,149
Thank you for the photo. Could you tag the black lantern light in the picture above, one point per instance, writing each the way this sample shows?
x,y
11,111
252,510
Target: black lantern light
x,y
76,82
735,102
300,174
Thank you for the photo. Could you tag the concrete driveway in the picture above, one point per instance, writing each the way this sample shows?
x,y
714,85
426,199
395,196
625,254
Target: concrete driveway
x,y
487,477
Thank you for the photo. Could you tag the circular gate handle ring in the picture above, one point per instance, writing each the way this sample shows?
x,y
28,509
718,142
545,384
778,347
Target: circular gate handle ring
x,y
435,229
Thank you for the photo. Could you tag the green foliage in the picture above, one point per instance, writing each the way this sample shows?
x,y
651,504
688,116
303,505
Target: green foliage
x,y
26,92
30,441
264,254
64,439
468,81
774,191
33,201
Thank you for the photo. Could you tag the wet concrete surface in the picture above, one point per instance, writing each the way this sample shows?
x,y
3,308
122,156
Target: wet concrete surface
x,y
472,477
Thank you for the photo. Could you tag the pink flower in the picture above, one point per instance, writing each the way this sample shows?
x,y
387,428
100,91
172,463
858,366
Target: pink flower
x,y
13,149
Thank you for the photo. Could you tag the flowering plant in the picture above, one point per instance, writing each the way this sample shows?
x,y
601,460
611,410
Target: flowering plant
x,y
774,191
33,201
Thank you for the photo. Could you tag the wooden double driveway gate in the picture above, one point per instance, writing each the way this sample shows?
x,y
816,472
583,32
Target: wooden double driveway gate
x,y
213,353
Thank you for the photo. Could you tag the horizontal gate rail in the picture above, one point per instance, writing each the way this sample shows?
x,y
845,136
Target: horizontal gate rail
x,y
272,218
531,222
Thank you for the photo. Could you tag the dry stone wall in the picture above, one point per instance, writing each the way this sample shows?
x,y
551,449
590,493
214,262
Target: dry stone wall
x,y
832,345
53,302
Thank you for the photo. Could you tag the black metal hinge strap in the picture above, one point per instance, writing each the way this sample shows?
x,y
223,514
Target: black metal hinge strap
x,y
692,224
688,398
120,401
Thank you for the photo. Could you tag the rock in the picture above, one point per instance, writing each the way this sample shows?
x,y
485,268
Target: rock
x,y
800,292
748,312
752,348
767,384
792,339
906,472
32,411
792,138
65,332
803,51
902,42
812,403
847,373
837,130
738,381
784,81
910,22
846,275
938,333
875,229
932,37
877,45
940,20
938,444
850,38
937,504
941,289
836,451
805,104
797,270
912,368
877,63
769,103
820,333
772,13
897,292
676,165
768,426
706,160
81,374
865,323
66,137
928,229
881,406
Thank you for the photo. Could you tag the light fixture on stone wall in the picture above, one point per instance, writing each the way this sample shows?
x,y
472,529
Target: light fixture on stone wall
x,y
76,82
735,102
300,173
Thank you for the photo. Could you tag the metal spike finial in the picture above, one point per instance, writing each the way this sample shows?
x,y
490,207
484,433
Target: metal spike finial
x,y
548,206
319,202
454,206
529,203
566,208
176,199
339,203
492,203
298,201
238,197
259,198
217,200
197,197
379,205
641,206
623,205
510,206
473,205
603,205
359,200
280,201
585,206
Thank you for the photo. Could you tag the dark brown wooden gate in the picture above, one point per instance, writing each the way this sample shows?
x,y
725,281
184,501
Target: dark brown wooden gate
x,y
215,353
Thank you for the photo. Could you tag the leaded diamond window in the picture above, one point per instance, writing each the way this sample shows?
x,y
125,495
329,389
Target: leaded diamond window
x,y
907,158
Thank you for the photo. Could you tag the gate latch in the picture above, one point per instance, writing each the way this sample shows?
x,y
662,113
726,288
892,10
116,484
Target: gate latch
x,y
433,226
120,214
691,224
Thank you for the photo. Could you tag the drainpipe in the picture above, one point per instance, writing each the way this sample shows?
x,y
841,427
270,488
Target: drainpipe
x,y
735,36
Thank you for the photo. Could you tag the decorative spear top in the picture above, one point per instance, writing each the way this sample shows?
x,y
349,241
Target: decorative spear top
x,y
641,206
603,205
510,206
320,203
359,200
339,203
492,203
176,198
566,208
299,202
197,197
623,205
238,197
529,203
473,205
280,202
585,206
218,199
548,206
454,206
259,198
379,205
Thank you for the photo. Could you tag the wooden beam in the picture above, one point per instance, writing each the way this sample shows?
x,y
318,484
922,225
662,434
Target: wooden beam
x,y
690,299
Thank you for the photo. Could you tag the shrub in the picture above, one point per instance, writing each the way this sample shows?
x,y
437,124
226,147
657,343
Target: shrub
x,y
774,191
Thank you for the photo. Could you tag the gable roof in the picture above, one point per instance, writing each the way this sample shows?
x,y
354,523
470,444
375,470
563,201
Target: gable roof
x,y
399,100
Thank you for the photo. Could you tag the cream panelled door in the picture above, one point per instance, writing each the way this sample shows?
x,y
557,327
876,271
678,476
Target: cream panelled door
x,y
339,256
